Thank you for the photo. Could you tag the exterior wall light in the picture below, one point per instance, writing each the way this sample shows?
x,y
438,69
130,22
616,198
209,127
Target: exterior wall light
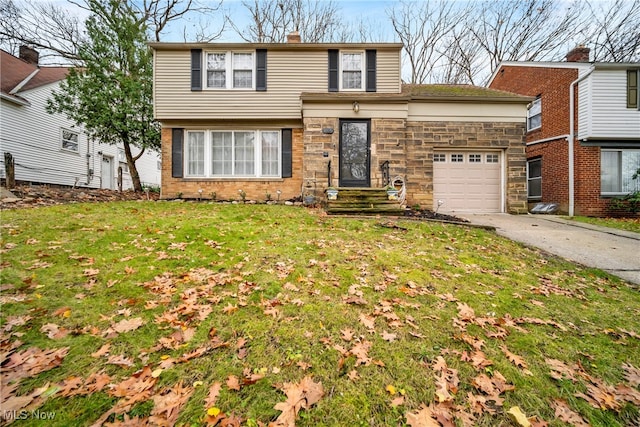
x,y
356,106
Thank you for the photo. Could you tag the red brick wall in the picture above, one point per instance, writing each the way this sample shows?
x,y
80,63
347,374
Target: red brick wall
x,y
228,189
553,86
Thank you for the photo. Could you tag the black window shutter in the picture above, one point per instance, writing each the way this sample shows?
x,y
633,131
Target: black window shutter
x,y
261,70
177,136
371,70
196,69
287,151
632,88
334,69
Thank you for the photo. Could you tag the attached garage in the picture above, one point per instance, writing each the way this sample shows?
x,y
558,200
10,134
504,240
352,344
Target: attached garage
x,y
468,181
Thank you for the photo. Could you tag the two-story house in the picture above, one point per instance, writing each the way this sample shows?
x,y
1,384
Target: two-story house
x,y
583,129
294,118
49,148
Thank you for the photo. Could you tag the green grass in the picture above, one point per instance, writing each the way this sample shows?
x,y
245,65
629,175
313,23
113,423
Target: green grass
x,y
628,224
105,263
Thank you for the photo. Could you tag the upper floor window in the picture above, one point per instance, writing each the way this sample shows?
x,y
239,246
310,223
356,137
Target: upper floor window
x,y
230,70
534,114
352,70
70,140
632,88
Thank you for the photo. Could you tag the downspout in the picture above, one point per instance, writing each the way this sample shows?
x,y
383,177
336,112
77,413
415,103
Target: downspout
x,y
572,109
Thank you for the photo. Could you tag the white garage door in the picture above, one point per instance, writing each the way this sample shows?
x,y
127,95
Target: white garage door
x,y
467,181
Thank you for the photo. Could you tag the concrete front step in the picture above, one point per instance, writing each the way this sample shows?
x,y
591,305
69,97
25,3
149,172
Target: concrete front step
x,y
363,201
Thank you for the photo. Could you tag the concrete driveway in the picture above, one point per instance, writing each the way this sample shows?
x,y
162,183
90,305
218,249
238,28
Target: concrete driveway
x,y
614,251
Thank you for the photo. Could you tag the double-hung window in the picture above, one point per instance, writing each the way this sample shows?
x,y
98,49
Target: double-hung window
x,y
70,140
633,95
230,70
242,153
534,179
534,115
617,168
352,70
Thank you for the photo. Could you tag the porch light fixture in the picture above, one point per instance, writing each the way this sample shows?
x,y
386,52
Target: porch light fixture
x,y
356,106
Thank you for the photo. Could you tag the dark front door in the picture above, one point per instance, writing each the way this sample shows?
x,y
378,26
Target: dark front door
x,y
355,153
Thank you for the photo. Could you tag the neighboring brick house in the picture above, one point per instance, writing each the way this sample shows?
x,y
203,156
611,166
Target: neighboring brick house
x,y
49,148
290,118
604,140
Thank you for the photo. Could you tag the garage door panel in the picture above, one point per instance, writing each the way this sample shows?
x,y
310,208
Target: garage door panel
x,y
466,186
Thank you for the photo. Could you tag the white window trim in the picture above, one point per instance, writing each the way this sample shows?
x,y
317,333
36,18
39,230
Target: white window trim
x,y
537,101
614,193
62,131
257,152
229,70
363,71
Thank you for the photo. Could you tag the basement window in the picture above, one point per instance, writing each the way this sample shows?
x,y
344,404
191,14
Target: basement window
x,y
534,179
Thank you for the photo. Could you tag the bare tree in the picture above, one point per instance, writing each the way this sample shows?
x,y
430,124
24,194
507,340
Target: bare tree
x,y
43,26
56,33
613,33
272,20
422,28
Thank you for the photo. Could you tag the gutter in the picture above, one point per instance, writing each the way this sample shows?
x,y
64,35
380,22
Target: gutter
x,y
551,138
572,109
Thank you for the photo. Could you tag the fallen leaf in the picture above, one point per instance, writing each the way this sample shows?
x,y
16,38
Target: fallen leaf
x,y
233,383
516,414
214,392
422,418
127,325
300,396
389,336
564,413
102,350
367,321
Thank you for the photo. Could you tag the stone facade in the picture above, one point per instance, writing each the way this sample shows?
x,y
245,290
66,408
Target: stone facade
x,y
229,188
408,146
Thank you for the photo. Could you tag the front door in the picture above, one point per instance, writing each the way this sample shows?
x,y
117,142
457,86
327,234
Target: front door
x,y
355,153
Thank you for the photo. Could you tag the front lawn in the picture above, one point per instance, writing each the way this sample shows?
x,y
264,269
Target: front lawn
x,y
195,313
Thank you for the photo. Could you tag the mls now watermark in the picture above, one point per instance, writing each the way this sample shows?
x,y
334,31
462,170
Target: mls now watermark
x,y
28,415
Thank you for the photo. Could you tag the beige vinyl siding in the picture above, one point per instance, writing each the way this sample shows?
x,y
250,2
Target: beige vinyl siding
x,y
289,73
467,112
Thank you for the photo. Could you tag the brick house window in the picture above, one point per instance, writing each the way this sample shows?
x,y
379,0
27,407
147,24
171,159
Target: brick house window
x,y
534,114
534,179
220,154
616,172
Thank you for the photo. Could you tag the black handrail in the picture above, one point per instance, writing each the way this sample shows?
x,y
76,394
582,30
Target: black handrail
x,y
329,174
386,178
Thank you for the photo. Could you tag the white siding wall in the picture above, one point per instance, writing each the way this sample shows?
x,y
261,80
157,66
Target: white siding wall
x,y
33,137
603,112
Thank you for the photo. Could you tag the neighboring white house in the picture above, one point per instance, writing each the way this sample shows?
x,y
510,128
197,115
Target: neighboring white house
x,y
48,148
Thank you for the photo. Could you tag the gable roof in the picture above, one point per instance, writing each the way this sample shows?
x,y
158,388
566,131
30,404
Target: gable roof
x,y
18,75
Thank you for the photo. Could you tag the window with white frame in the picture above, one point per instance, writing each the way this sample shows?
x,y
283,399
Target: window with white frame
x,y
122,159
241,153
352,70
534,178
534,114
70,140
475,158
457,158
617,168
230,70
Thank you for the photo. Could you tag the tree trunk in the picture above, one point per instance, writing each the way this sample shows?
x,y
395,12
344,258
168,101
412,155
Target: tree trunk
x,y
133,171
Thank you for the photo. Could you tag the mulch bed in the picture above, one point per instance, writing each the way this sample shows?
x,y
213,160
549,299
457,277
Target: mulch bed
x,y
34,196
428,214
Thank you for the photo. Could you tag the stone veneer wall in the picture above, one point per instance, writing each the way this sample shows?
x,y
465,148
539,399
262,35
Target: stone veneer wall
x,y
423,137
228,188
408,146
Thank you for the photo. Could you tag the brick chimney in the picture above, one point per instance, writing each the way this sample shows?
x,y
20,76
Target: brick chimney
x,y
294,37
579,54
29,55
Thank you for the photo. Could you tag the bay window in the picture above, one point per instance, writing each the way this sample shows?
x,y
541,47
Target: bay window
x,y
243,153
